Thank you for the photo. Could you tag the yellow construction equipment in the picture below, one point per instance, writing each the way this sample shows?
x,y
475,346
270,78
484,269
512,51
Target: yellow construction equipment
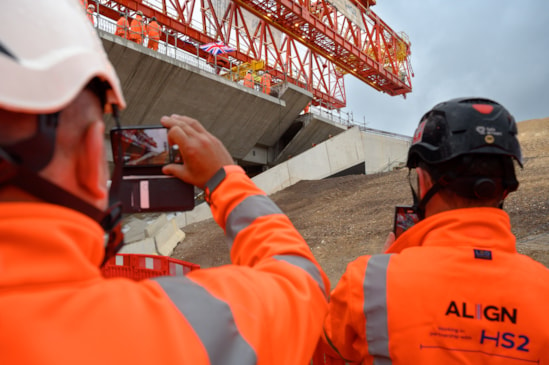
x,y
237,73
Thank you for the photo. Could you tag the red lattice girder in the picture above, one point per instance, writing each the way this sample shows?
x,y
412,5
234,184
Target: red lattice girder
x,y
308,43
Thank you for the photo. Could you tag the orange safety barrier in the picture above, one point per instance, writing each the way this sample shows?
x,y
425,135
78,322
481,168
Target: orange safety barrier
x,y
139,267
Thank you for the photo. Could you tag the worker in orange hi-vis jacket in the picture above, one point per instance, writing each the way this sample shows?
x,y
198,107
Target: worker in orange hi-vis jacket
x,y
249,79
266,83
153,32
265,308
452,288
137,28
89,12
122,26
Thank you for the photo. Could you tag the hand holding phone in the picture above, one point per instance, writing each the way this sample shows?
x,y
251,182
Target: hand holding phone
x,y
203,154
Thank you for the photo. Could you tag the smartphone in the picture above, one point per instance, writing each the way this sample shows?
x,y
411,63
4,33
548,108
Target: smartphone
x,y
405,217
144,150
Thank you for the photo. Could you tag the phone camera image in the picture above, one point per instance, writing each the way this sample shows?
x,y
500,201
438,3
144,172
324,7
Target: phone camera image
x,y
405,217
144,147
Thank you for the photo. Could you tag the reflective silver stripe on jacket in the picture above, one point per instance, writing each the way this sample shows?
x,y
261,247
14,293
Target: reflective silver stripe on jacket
x,y
211,319
256,206
306,265
246,212
375,309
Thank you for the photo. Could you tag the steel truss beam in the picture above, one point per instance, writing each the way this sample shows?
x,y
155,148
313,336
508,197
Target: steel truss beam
x,y
308,43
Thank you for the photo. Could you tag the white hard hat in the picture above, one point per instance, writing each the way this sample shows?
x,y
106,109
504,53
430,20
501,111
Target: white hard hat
x,y
45,72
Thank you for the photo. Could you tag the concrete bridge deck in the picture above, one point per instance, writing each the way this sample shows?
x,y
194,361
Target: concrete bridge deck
x,y
256,128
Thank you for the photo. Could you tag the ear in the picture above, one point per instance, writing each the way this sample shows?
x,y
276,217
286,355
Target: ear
x,y
91,168
424,182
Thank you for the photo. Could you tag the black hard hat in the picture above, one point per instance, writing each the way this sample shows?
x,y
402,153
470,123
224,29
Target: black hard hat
x,y
464,126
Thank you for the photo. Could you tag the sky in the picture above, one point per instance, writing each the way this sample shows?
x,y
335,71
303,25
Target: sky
x,y
497,49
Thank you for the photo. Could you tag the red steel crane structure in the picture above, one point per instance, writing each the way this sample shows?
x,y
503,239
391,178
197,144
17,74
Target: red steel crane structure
x,y
310,43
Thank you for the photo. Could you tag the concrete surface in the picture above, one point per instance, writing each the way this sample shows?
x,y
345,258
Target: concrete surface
x,y
338,153
155,85
295,99
146,246
168,237
308,131
383,152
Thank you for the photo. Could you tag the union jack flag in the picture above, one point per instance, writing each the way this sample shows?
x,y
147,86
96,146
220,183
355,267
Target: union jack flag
x,y
216,48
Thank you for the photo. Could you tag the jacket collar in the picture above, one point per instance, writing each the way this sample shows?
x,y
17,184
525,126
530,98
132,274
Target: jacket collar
x,y
44,243
478,227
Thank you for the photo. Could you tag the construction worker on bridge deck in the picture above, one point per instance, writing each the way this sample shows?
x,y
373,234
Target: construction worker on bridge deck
x,y
266,83
153,32
137,29
59,222
122,26
249,80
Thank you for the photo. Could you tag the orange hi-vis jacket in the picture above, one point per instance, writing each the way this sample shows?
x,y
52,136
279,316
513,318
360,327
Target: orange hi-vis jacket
x,y
56,308
137,30
249,80
122,27
153,32
266,83
450,290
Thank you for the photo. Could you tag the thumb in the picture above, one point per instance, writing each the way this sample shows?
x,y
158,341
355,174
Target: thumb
x,y
176,170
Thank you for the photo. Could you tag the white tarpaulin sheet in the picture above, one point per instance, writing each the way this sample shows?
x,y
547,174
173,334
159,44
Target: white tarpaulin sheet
x,y
350,10
220,7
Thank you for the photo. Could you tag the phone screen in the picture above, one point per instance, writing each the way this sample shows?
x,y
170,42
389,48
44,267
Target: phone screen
x,y
144,146
405,217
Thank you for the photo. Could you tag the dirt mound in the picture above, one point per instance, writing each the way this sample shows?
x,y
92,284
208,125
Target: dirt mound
x,y
345,217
